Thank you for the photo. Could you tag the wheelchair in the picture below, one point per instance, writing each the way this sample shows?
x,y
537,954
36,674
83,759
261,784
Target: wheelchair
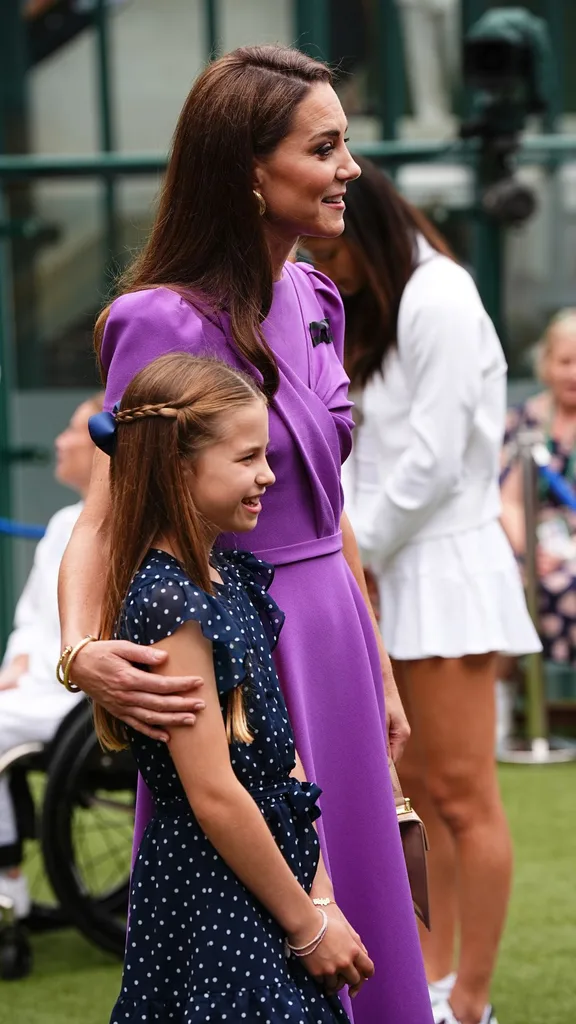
x,y
75,811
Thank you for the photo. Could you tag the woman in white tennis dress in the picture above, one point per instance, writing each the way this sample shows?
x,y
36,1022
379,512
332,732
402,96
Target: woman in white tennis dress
x,y
429,380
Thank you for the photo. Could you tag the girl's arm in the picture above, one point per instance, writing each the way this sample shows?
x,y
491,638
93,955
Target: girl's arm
x,y
398,729
146,701
322,884
322,887
233,823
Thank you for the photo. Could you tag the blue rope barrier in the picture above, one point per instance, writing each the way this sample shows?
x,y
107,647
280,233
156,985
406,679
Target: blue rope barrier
x,y
559,486
27,531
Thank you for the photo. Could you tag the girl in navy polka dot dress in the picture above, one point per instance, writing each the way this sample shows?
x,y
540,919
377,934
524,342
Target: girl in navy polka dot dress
x,y
231,912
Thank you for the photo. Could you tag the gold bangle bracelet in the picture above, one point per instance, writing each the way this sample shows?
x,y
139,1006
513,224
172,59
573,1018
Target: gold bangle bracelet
x,y
322,901
70,660
62,662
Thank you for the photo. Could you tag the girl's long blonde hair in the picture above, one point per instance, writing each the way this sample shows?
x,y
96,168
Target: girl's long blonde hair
x,y
170,411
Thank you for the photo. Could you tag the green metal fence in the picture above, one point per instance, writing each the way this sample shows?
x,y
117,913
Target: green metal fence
x,y
312,32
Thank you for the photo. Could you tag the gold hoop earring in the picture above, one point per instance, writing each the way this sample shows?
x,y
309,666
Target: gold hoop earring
x,y
261,202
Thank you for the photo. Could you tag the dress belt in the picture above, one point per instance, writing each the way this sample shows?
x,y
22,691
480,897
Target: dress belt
x,y
314,548
302,797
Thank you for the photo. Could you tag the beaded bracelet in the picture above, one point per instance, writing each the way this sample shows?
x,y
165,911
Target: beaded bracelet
x,y
311,946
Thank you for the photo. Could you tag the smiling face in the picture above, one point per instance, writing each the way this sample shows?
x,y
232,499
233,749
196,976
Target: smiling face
x,y
304,180
229,478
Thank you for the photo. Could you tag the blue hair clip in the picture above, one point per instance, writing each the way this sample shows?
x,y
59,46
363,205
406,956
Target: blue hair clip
x,y
102,428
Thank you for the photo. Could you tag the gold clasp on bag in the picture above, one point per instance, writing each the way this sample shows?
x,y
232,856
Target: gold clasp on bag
x,y
405,808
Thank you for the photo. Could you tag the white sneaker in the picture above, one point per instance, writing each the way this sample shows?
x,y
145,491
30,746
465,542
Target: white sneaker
x,y
16,889
440,990
443,1014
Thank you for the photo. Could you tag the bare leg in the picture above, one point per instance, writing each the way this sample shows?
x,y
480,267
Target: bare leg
x,y
450,704
438,945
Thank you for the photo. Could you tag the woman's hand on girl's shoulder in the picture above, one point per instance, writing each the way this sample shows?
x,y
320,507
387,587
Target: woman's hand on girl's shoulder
x,y
340,959
106,671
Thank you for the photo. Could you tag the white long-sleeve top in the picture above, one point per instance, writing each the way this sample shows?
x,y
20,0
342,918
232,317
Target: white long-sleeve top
x,y
36,631
426,455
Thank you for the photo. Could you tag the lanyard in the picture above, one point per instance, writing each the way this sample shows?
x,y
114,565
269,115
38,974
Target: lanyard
x,y
569,472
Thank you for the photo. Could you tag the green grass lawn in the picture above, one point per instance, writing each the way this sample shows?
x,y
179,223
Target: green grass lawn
x,y
536,978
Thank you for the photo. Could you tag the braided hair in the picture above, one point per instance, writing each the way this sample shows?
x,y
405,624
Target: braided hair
x,y
170,411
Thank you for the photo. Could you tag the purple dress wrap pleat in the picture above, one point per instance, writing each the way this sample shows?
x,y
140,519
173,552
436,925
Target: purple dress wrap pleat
x,y
327,657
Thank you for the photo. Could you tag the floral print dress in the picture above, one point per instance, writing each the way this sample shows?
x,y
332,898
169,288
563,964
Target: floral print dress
x,y
557,589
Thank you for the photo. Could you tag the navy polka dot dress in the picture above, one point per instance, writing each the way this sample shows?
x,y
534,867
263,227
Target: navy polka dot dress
x,y
200,947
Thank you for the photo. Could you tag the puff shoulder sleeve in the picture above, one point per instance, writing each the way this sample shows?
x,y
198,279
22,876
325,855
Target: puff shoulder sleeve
x,y
160,607
142,326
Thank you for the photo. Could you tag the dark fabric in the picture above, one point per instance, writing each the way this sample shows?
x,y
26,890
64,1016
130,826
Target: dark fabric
x,y
200,947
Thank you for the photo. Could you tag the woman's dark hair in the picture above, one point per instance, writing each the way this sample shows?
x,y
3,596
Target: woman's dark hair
x,y
381,228
208,239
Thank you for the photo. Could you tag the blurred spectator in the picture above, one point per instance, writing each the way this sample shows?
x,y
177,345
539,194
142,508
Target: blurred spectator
x,y
421,490
552,413
32,702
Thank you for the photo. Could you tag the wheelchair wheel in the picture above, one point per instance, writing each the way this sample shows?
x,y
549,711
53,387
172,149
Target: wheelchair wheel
x,y
86,833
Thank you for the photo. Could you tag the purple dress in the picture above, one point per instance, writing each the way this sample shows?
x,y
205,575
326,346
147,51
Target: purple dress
x,y
327,658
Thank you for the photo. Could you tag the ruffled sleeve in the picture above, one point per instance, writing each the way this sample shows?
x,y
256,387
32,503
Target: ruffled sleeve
x,y
330,381
142,326
161,606
256,578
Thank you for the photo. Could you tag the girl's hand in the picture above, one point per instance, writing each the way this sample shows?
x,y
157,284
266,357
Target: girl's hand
x,y
149,703
334,913
339,959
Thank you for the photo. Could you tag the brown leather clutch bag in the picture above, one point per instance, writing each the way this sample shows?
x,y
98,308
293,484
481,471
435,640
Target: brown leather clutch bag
x,y
415,846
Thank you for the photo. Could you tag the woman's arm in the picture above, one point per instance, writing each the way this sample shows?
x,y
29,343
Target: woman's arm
x,y
146,701
397,724
233,823
441,340
512,516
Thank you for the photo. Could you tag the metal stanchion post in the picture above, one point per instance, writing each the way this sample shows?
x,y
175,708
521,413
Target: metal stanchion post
x,y
537,747
536,715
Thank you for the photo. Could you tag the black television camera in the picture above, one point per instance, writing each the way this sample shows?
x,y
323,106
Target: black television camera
x,y
508,65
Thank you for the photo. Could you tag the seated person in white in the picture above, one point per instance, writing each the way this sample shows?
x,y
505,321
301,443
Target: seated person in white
x,y
32,702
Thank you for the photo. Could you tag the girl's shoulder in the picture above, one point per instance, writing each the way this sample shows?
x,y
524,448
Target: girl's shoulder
x,y
162,597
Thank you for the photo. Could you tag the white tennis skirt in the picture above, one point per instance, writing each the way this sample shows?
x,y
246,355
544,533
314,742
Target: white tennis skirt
x,y
451,596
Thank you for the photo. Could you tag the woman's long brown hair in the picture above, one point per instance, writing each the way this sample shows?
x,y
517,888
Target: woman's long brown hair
x,y
382,229
171,411
208,238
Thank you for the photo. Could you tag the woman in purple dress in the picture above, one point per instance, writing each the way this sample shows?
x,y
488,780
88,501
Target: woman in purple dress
x,y
259,159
